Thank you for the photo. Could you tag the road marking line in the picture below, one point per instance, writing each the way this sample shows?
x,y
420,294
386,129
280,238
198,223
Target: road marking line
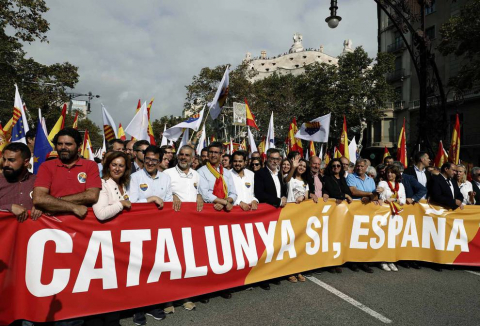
x,y
350,300
476,273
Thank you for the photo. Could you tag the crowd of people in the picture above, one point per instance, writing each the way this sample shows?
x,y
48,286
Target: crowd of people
x,y
138,172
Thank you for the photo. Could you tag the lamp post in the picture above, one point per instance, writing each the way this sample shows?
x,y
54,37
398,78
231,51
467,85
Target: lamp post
x,y
401,14
90,97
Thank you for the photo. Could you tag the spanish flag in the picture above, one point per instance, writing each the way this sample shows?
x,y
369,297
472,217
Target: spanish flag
x,y
86,151
336,153
311,150
454,151
59,125
386,153
150,129
75,121
294,144
250,116
327,158
402,147
343,148
3,139
441,157
121,133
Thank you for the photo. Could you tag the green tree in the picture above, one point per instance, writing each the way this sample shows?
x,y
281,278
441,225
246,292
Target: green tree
x,y
159,124
41,86
461,38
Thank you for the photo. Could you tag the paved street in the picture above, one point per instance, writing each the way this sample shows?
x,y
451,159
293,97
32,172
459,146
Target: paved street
x,y
409,297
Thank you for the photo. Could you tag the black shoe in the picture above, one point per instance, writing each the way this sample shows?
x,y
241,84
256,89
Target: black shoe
x,y
366,268
338,270
353,267
265,286
226,295
276,281
207,300
139,319
157,314
436,268
331,270
414,265
404,264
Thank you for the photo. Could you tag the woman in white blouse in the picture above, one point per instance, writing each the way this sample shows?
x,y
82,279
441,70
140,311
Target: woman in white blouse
x,y
465,186
393,193
115,179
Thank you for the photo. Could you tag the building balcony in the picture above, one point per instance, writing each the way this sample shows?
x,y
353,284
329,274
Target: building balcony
x,y
396,46
397,75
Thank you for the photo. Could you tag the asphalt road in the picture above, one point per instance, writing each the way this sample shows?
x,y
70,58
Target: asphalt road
x,y
408,297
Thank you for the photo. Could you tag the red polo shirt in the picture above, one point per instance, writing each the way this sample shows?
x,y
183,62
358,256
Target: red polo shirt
x,y
63,181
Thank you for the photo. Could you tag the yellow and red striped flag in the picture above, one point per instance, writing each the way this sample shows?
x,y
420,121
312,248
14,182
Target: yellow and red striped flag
x,y
59,125
336,153
386,153
86,151
294,144
75,121
121,133
441,157
343,148
109,127
150,129
327,158
454,151
311,150
250,116
402,146
3,139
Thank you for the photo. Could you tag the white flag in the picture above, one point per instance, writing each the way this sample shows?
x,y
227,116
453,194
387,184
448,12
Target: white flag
x,y
201,141
316,130
270,140
220,96
20,129
352,150
306,155
186,135
138,127
108,121
231,146
253,147
192,122
321,152
164,138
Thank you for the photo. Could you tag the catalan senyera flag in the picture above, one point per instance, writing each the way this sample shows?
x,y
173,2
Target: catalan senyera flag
x,y
75,121
150,129
294,144
343,147
59,125
86,151
311,150
454,151
121,133
109,127
402,146
250,116
386,153
441,157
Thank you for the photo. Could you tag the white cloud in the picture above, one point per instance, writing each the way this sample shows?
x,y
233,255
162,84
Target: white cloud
x,y
126,50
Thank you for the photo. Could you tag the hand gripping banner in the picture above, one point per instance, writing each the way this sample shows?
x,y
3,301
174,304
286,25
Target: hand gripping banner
x,y
62,267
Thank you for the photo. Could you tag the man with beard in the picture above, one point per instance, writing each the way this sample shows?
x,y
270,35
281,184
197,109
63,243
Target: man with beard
x,y
269,185
16,183
129,148
204,155
138,154
68,184
244,182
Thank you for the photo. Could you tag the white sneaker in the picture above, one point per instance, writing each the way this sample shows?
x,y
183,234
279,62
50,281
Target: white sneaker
x,y
393,267
385,267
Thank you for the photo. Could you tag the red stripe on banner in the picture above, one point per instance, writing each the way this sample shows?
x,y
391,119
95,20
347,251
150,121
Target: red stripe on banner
x,y
54,261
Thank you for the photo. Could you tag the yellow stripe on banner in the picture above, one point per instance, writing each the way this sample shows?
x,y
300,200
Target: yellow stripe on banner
x,y
326,234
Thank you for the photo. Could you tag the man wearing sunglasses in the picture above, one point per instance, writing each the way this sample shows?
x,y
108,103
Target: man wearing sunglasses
x,y
149,185
269,185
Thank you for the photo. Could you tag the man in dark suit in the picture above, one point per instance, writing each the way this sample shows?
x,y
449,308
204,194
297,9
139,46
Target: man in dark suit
x,y
444,190
269,186
419,170
476,184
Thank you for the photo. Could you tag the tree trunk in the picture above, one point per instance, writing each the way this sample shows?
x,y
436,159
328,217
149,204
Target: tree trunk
x,y
363,126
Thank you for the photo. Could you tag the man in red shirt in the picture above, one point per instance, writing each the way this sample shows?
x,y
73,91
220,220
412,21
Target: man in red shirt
x,y
68,184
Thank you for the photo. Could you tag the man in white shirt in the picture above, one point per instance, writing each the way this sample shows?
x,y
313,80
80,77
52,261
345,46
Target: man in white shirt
x,y
244,182
150,185
184,180
419,170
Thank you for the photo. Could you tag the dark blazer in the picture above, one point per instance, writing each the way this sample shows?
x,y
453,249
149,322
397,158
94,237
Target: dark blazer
x,y
411,171
476,190
264,187
441,194
336,189
413,188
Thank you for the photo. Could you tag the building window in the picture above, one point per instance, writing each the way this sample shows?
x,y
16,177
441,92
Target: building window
x,y
430,32
431,8
387,132
398,63
377,131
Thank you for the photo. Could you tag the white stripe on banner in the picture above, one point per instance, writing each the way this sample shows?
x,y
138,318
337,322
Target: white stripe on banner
x,y
350,300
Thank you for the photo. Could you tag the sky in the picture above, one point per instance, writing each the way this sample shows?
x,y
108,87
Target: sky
x,y
128,50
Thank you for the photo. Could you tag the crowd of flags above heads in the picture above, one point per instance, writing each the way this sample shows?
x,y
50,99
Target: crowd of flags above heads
x,y
140,128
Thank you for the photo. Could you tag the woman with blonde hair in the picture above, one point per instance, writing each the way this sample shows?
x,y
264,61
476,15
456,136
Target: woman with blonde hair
x,y
115,179
465,186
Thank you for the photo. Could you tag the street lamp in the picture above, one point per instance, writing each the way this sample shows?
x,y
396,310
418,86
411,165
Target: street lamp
x,y
333,19
90,97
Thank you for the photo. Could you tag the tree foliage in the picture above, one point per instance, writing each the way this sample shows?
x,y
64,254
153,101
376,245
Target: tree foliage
x,y
461,38
356,88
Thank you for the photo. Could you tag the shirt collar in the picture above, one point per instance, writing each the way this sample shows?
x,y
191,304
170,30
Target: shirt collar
x,y
149,176
358,177
271,172
79,162
418,170
189,174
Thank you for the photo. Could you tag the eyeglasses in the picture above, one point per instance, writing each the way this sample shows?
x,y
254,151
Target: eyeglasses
x,y
151,160
256,164
336,166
